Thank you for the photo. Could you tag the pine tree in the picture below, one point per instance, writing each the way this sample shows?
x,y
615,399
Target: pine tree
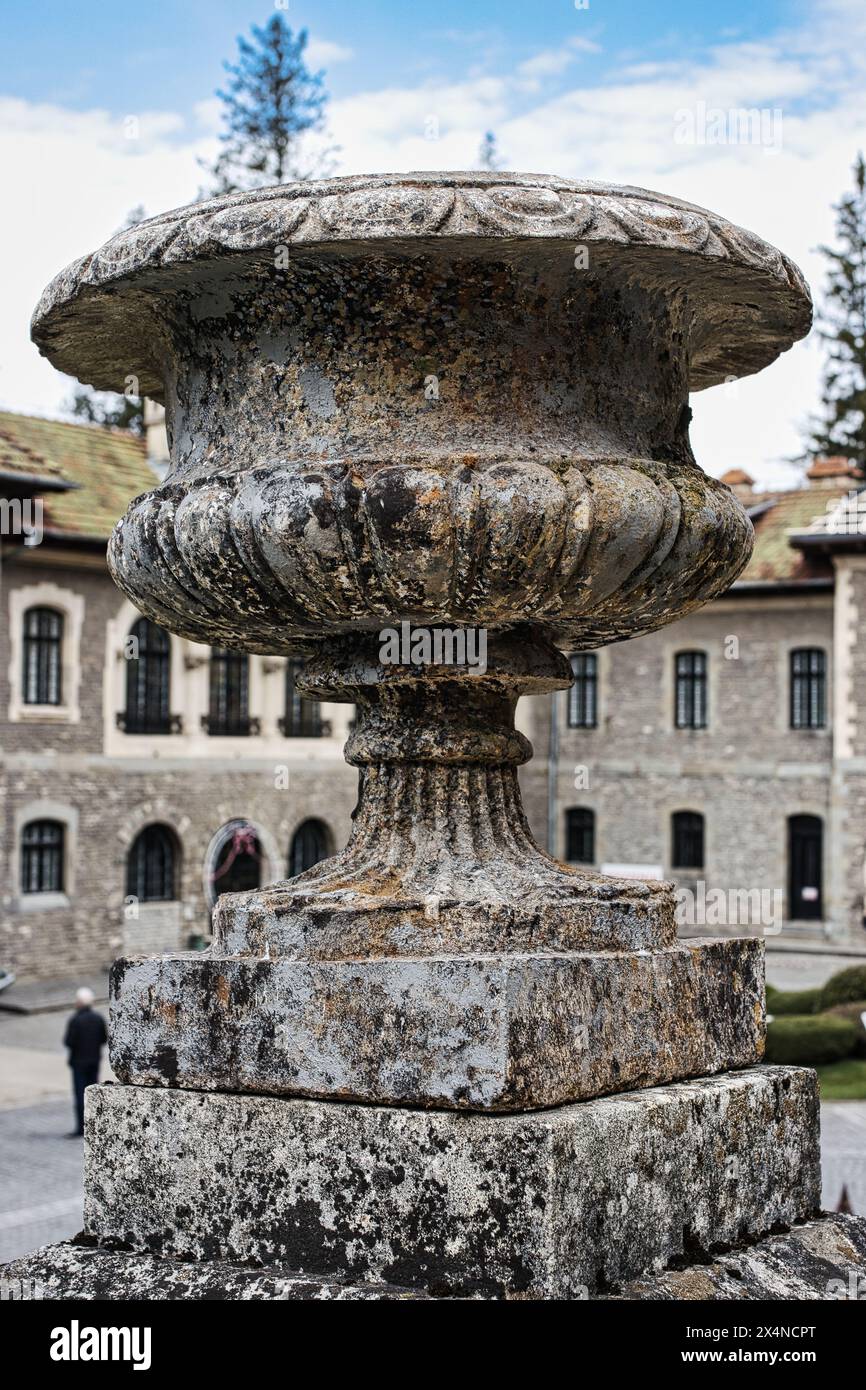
x,y
842,431
488,156
113,412
271,101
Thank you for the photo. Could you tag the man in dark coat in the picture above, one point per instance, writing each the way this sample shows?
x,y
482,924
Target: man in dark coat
x,y
85,1037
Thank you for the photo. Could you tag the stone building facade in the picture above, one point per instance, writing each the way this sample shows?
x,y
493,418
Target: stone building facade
x,y
143,774
219,810
754,802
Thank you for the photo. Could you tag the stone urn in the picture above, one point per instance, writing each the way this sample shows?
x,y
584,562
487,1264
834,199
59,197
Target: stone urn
x,y
429,432
450,405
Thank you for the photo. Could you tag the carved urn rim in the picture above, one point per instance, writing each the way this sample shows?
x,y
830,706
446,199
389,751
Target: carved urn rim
x,y
750,302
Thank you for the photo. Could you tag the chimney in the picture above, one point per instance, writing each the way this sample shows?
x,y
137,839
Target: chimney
x,y
833,472
741,485
156,438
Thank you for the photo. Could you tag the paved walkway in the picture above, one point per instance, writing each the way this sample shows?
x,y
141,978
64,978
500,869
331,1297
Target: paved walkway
x,y
41,1191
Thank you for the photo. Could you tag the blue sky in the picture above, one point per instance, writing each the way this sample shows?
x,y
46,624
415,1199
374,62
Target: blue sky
x,y
597,92
119,56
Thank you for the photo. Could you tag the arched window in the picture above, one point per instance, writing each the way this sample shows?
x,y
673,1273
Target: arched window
x,y
42,844
229,712
303,717
43,656
151,865
808,688
583,695
687,840
237,862
690,704
580,835
148,681
309,845
805,866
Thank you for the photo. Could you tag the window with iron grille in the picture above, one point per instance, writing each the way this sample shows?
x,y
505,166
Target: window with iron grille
x,y
688,840
580,835
808,688
150,865
229,712
148,680
42,857
583,695
303,717
309,845
43,656
690,709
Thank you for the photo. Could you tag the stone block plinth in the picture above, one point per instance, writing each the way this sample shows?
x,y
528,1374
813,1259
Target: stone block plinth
x,y
550,1204
503,1032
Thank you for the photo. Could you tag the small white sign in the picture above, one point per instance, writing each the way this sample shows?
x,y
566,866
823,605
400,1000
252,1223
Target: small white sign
x,y
633,870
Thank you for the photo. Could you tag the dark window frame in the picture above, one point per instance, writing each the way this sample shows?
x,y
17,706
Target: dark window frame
x,y
688,840
42,656
583,694
808,686
229,695
300,858
43,856
148,682
580,835
691,693
302,717
805,840
152,864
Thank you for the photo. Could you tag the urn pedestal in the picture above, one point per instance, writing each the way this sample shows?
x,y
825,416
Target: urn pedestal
x,y
455,405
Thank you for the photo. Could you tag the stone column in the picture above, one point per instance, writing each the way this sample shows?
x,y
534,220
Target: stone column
x,y
432,409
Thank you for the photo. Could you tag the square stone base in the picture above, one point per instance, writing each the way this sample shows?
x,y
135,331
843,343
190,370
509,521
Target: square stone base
x,y
819,1260
559,1204
500,1032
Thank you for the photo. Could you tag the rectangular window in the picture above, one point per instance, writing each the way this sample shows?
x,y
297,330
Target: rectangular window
x,y
303,717
690,708
808,688
43,647
229,695
580,835
688,840
42,857
583,695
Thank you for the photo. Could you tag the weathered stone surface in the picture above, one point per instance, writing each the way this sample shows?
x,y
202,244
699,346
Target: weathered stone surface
x,y
507,1032
643,228
72,1271
582,1197
431,411
823,1259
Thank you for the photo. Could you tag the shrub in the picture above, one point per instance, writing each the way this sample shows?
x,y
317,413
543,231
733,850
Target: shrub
x,y
846,987
793,1001
810,1038
854,1013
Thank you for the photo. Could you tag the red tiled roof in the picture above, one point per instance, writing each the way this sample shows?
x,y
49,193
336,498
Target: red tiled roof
x,y
775,516
105,469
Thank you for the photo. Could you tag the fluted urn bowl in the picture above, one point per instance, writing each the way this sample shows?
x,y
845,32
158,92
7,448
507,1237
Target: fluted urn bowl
x,y
455,400
448,398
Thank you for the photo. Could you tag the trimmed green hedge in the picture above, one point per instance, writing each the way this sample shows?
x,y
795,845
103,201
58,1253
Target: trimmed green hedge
x,y
810,1039
853,1012
793,1001
846,987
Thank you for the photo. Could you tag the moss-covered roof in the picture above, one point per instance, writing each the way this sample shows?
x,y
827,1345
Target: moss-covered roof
x,y
106,469
774,558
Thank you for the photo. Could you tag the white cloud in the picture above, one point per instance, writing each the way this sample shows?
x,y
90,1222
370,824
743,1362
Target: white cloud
x,y
321,53
75,176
